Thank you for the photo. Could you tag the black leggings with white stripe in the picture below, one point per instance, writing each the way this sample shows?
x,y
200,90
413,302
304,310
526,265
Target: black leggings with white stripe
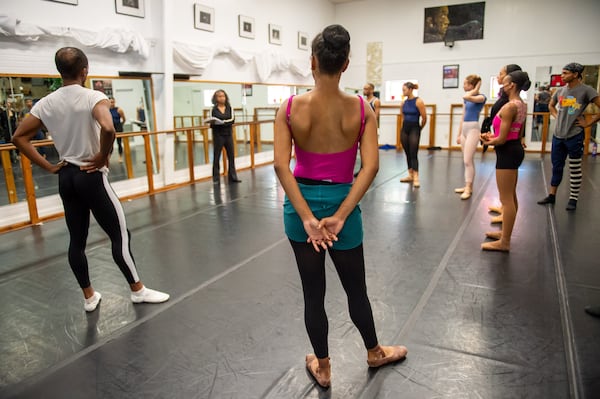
x,y
82,192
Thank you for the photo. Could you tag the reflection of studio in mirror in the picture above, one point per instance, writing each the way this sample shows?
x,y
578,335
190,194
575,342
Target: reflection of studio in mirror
x,y
19,93
131,108
254,106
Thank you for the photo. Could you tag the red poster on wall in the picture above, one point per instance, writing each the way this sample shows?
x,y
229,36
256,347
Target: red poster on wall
x,y
556,81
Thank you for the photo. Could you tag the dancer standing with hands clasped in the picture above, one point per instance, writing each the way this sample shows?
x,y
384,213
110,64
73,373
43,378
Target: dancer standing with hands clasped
x,y
325,127
508,125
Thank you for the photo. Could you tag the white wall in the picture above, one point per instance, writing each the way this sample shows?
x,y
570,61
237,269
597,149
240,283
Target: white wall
x,y
309,16
38,57
530,33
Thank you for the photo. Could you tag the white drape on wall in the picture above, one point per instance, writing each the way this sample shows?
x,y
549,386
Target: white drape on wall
x,y
114,39
192,58
195,59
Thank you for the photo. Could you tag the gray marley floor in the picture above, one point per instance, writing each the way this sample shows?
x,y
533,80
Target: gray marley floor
x,y
477,324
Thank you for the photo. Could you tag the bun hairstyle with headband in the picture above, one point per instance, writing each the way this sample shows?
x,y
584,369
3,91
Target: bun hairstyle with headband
x,y
411,85
520,79
332,48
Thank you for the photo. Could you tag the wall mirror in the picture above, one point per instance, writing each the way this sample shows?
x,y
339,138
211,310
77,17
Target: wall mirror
x,y
132,95
251,103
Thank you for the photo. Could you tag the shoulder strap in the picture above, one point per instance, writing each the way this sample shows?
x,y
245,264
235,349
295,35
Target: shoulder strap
x,y
288,112
362,118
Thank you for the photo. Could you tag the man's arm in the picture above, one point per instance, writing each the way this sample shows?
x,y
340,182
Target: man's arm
x,y
377,109
595,118
552,107
101,113
122,115
25,132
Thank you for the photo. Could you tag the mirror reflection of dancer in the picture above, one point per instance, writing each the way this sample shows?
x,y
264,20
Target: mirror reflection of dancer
x,y
118,117
508,126
414,118
469,131
567,106
223,135
325,127
81,125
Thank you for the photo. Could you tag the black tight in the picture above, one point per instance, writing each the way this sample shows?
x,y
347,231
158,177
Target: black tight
x,y
350,267
410,137
82,192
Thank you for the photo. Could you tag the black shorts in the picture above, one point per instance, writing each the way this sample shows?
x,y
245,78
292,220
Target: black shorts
x,y
509,155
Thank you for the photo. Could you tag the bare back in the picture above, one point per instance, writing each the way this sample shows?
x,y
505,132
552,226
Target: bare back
x,y
325,123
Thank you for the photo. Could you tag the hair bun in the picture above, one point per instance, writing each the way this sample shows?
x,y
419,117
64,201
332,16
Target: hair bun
x,y
336,37
521,79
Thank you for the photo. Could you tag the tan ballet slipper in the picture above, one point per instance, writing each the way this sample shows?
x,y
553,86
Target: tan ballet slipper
x,y
495,246
383,355
496,235
322,375
496,219
416,182
467,194
495,209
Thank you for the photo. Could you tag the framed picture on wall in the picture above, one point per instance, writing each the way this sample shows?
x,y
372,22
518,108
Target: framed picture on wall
x,y
556,81
275,34
135,8
73,2
247,89
450,23
204,17
303,40
450,77
246,27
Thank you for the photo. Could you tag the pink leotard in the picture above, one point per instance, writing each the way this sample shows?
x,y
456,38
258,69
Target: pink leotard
x,y
515,127
337,167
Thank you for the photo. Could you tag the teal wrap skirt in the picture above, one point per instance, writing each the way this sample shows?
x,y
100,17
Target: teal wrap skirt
x,y
324,201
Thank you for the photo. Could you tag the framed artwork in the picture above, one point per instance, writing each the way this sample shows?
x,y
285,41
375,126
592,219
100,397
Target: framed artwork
x,y
104,86
247,89
246,27
204,17
73,2
451,23
275,34
302,41
556,81
450,77
135,8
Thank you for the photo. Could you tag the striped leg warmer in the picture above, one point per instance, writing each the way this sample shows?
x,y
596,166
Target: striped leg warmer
x,y
575,171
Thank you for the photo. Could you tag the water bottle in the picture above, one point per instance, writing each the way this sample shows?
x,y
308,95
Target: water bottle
x,y
594,149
